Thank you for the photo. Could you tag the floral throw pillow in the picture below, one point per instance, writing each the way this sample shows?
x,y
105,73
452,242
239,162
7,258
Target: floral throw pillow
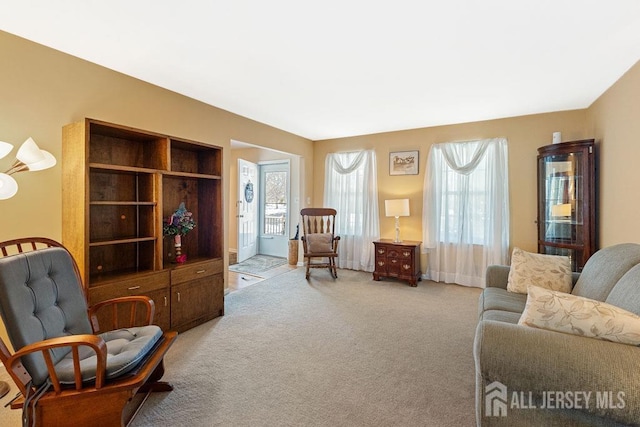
x,y
547,271
561,312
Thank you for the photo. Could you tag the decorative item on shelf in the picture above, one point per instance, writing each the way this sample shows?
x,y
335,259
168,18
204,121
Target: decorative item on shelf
x,y
397,208
557,138
29,158
176,226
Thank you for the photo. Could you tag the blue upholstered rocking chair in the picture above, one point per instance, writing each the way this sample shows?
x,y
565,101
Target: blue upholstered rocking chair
x,y
68,371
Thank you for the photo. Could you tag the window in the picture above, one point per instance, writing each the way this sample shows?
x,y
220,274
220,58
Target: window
x,y
466,210
351,189
275,203
459,223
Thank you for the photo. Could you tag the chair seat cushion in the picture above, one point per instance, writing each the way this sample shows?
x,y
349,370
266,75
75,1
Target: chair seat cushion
x,y
125,349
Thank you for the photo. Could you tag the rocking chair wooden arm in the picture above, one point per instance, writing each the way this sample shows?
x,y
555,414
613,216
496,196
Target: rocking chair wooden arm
x,y
114,304
19,374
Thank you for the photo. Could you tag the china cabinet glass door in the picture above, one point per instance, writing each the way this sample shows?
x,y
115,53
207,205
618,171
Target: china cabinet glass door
x,y
566,208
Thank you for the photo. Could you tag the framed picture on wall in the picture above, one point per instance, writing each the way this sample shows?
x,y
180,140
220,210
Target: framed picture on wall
x,y
403,162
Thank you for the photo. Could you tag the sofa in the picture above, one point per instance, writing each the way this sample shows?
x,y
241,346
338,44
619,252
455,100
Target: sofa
x,y
530,376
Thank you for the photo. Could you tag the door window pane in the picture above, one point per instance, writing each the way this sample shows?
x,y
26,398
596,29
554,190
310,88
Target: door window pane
x,y
275,203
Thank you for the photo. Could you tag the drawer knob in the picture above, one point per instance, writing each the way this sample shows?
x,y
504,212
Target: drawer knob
x,y
394,261
406,267
200,271
380,263
407,253
133,288
380,251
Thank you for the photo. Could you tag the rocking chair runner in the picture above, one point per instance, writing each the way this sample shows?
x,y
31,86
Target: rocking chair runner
x,y
319,240
68,375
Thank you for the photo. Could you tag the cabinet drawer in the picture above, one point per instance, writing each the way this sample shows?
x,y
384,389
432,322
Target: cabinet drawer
x,y
138,285
188,272
406,254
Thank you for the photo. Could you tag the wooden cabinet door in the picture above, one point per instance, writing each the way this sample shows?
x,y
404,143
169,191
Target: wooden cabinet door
x,y
161,299
196,301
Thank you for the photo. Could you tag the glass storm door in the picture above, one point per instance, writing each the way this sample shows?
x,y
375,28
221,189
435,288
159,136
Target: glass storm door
x,y
274,209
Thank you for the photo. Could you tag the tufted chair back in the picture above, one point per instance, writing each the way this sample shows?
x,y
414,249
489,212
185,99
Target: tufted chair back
x,y
41,297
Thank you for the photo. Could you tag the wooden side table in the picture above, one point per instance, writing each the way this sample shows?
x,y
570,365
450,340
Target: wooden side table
x,y
399,260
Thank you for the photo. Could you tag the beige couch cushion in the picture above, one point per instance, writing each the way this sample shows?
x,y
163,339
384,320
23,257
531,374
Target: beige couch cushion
x,y
547,271
571,314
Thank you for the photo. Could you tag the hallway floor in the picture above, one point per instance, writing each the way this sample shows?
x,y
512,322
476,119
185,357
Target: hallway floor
x,y
242,280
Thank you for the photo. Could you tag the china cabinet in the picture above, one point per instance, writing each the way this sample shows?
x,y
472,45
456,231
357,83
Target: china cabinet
x,y
567,200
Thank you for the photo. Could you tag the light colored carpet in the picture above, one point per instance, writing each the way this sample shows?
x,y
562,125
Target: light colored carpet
x,y
345,352
258,264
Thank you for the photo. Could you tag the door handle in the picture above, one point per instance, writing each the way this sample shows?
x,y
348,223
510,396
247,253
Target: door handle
x,y
239,216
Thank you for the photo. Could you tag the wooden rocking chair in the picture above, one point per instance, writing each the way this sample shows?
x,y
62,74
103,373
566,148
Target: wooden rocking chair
x,y
67,374
319,240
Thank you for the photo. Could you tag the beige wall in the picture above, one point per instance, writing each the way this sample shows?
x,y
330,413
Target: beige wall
x,y
525,134
43,89
614,120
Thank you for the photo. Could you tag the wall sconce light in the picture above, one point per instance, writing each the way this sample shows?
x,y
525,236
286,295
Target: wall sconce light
x,y
29,158
397,208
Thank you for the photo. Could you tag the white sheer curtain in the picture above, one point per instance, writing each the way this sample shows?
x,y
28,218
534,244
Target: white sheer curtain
x,y
466,210
350,187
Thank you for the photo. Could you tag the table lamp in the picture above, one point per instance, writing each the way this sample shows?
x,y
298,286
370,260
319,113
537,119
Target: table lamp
x,y
397,208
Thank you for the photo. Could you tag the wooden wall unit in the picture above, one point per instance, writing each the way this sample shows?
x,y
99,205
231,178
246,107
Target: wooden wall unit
x,y
119,184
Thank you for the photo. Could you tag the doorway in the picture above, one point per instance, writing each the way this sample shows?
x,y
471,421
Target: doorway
x,y
274,209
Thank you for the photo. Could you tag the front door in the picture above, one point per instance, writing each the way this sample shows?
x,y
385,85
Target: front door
x,y
247,209
274,209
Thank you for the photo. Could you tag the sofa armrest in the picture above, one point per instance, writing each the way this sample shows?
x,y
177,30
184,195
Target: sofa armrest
x,y
535,360
496,276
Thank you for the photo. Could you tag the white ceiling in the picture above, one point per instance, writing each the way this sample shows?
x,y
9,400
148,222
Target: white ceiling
x,y
336,68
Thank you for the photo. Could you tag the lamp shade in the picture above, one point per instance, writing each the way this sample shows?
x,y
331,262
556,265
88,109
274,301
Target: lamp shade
x,y
5,148
29,152
562,209
396,207
48,162
8,186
